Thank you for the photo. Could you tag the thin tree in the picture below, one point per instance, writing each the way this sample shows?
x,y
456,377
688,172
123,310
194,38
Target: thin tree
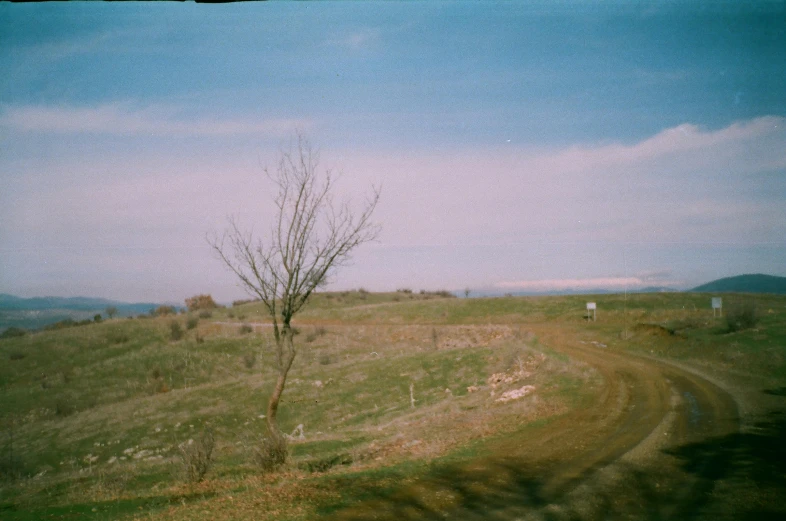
x,y
309,238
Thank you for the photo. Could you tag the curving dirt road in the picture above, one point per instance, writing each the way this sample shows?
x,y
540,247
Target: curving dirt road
x,y
646,447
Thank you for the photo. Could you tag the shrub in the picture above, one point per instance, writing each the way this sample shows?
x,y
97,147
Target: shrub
x,y
192,322
245,328
241,302
97,318
270,452
175,331
13,332
313,335
117,336
16,355
205,314
196,456
325,464
741,314
325,359
199,302
64,407
12,467
249,359
62,324
162,311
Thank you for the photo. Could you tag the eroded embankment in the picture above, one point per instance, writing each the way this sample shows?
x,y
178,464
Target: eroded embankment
x,y
616,457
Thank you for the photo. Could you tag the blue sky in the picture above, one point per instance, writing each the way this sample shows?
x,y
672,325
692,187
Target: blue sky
x,y
520,146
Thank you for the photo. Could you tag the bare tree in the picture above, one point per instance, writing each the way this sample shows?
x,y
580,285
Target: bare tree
x,y
310,237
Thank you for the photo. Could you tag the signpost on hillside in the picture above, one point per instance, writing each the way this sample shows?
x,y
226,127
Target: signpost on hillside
x,y
591,307
717,304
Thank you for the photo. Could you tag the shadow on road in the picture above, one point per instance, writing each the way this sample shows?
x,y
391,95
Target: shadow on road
x,y
751,464
737,476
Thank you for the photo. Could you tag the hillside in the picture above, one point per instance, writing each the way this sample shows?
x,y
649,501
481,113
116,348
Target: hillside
x,y
486,404
756,283
37,312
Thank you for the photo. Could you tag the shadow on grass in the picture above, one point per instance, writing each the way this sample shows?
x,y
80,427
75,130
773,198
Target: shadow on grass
x,y
751,465
99,510
510,490
755,457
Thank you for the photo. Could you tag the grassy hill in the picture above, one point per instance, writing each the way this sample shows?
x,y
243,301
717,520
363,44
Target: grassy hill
x,y
757,283
94,420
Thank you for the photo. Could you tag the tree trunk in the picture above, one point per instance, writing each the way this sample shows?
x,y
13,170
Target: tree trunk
x,y
286,355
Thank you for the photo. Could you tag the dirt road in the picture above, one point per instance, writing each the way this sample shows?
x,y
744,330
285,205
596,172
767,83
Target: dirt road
x,y
656,442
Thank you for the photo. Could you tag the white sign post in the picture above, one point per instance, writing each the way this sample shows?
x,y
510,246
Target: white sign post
x,y
717,303
591,307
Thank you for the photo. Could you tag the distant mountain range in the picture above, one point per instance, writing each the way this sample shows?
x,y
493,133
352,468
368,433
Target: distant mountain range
x,y
37,312
756,283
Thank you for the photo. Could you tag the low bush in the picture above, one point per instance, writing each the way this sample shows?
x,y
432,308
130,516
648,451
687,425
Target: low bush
x,y
741,314
249,359
316,333
192,322
175,331
162,311
13,332
64,407
12,467
325,464
270,452
205,314
196,456
117,336
245,329
200,302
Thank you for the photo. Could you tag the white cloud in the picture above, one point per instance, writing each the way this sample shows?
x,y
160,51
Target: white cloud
x,y
583,284
123,119
357,40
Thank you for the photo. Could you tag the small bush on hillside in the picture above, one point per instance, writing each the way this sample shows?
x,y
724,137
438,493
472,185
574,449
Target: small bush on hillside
x,y
241,302
199,302
325,464
249,359
325,359
313,335
117,336
162,311
12,467
192,322
16,355
97,318
741,314
64,407
196,456
175,331
62,324
270,452
245,329
13,332
205,314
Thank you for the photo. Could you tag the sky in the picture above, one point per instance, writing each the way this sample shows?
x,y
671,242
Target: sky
x,y
519,146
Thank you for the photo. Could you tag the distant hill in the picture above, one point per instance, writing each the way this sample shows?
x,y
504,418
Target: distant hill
x,y
757,283
37,312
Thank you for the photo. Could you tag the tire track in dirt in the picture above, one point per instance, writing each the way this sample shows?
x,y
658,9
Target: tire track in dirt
x,y
576,465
